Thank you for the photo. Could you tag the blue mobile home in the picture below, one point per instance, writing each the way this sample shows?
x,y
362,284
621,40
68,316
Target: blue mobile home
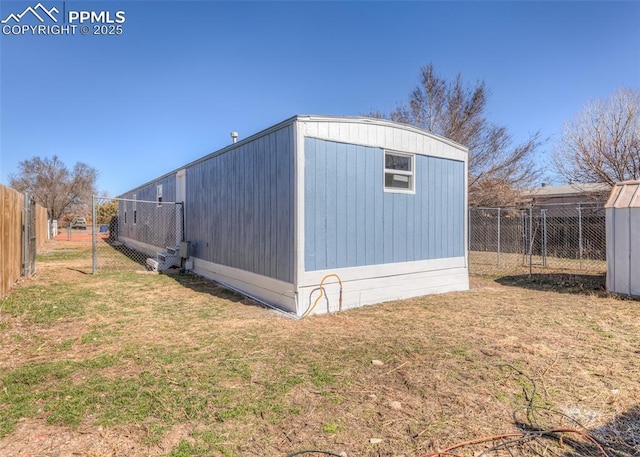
x,y
379,204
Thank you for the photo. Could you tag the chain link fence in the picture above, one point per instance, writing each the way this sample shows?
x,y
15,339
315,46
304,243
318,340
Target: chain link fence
x,y
135,235
559,238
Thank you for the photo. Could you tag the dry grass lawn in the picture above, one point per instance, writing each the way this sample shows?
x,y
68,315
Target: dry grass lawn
x,y
129,364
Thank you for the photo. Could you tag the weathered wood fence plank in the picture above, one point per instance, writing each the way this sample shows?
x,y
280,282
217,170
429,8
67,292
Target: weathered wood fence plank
x,y
12,220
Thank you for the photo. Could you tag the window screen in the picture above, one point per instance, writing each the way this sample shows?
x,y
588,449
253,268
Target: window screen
x,y
398,172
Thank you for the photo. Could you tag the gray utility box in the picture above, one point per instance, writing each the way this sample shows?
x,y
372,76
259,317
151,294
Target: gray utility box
x,y
185,249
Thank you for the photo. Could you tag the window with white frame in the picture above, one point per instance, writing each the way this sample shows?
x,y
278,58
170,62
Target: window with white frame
x,y
159,194
399,172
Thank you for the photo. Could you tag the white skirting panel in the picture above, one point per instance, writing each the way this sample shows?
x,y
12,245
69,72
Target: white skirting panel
x,y
361,285
263,289
377,284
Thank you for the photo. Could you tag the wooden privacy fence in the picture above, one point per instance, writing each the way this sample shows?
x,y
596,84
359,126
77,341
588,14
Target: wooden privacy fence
x,y
23,232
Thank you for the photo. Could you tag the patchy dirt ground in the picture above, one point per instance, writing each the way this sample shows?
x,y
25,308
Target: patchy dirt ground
x,y
128,364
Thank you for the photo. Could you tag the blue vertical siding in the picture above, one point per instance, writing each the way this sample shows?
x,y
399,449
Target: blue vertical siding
x,y
350,221
240,206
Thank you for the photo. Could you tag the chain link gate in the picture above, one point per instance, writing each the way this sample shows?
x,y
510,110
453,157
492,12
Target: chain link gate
x,y
134,234
562,238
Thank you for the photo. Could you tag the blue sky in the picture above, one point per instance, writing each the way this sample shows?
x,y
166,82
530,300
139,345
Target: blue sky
x,y
184,74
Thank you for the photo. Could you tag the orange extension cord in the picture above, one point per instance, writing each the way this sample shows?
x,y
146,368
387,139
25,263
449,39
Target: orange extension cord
x,y
310,310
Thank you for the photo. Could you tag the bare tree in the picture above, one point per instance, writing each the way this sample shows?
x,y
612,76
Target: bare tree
x,y
602,142
56,188
458,112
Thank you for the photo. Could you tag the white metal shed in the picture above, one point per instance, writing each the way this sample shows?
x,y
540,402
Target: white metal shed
x,y
623,238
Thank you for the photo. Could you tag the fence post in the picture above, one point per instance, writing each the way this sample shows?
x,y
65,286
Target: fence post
x,y
530,241
498,237
94,238
25,233
468,232
523,222
544,237
580,232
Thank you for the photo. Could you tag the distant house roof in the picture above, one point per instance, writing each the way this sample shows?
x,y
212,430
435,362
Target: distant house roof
x,y
567,190
625,195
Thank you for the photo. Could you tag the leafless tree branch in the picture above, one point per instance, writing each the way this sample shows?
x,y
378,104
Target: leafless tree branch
x,y
52,185
602,142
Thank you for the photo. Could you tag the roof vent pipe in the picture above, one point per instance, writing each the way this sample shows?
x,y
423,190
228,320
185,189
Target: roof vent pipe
x,y
234,137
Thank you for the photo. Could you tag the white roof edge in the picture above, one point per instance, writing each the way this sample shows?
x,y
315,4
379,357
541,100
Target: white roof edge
x,y
379,121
